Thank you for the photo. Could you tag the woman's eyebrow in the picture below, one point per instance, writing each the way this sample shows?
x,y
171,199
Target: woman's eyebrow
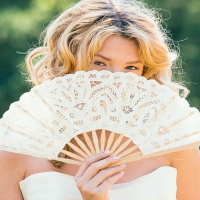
x,y
105,58
133,62
108,59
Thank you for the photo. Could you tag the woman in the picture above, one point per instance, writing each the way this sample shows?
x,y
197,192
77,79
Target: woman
x,y
109,35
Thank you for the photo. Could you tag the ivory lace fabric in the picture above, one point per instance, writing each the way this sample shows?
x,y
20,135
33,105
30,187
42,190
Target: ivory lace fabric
x,y
154,117
158,185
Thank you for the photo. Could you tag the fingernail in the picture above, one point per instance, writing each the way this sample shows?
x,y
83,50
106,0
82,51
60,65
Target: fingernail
x,y
107,152
122,165
116,158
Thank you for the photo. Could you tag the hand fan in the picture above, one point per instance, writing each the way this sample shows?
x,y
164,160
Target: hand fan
x,y
94,111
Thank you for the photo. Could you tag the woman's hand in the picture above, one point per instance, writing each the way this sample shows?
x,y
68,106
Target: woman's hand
x,y
95,177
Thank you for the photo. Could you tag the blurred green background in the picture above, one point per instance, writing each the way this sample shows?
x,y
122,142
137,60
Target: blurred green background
x,y
22,21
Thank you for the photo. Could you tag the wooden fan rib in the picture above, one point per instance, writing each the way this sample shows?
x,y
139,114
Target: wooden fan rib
x,y
72,155
173,149
125,155
117,142
74,147
128,151
129,158
103,140
83,146
124,145
138,156
133,155
110,141
68,161
88,141
95,141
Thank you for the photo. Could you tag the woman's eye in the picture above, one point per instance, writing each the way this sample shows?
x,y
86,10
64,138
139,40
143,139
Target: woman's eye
x,y
99,63
131,68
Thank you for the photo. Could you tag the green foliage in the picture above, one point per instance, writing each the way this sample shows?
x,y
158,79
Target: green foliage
x,y
21,23
182,19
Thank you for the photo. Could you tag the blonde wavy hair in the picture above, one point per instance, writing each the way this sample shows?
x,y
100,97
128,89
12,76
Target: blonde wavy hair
x,y
72,39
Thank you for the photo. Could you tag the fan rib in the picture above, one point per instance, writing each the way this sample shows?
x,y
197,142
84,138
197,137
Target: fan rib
x,y
95,141
110,141
83,146
103,140
128,151
68,161
166,151
74,147
124,145
117,142
132,157
129,158
72,155
88,141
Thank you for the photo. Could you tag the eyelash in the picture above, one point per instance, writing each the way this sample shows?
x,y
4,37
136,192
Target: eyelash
x,y
127,67
131,66
98,63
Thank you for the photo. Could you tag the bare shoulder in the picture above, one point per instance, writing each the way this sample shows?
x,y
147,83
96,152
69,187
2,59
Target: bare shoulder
x,y
187,163
24,164
189,158
38,165
188,153
12,161
12,171
15,168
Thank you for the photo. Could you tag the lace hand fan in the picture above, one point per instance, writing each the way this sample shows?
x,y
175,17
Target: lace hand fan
x,y
94,111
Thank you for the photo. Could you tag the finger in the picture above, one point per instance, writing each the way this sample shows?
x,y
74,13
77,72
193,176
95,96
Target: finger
x,y
88,189
84,166
96,167
107,184
105,174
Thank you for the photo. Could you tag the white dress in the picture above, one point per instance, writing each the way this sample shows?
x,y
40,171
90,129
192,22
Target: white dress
x,y
158,185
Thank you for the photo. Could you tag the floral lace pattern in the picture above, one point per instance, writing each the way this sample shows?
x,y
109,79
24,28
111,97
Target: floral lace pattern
x,y
153,116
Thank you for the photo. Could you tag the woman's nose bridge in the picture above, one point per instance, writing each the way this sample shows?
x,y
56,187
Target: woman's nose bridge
x,y
115,68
